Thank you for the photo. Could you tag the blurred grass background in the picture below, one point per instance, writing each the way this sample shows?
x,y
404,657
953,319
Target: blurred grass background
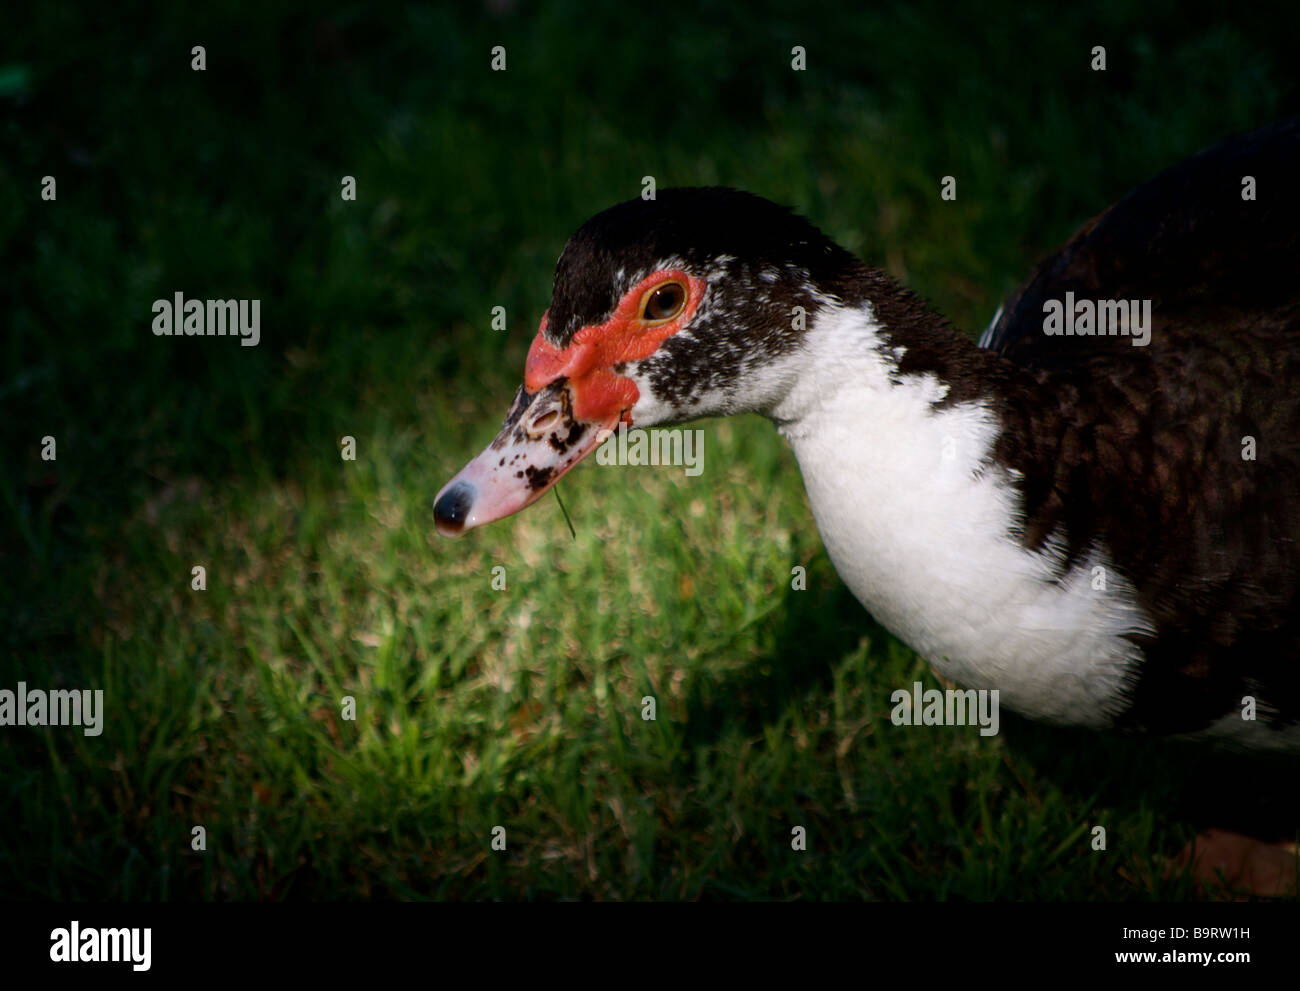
x,y
520,708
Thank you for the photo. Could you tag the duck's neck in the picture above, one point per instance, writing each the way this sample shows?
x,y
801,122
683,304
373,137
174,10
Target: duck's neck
x,y
895,420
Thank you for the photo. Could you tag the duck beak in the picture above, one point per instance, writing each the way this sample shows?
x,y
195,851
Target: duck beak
x,y
540,441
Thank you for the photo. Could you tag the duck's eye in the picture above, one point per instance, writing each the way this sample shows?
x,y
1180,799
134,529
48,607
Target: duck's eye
x,y
664,302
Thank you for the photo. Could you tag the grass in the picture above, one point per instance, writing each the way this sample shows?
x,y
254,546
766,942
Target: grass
x,y
518,707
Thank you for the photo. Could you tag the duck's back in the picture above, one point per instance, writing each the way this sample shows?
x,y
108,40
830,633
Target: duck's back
x,y
1213,243
1182,455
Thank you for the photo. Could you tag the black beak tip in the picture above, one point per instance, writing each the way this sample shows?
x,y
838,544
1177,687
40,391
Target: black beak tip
x,y
452,509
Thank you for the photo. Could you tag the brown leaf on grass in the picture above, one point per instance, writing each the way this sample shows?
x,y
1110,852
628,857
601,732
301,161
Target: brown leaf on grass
x,y
1243,864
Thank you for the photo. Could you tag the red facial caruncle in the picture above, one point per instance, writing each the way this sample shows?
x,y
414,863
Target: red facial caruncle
x,y
630,334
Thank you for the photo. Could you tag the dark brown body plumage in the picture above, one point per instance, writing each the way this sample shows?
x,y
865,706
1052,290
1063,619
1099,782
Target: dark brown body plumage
x,y
1147,448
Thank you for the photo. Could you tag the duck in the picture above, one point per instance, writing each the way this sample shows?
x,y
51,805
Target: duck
x,y
1093,509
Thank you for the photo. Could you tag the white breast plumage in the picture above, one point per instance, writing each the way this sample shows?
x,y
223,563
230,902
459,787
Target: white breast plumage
x,y
918,524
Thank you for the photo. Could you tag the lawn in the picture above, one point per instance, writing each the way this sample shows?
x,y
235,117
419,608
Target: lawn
x,y
478,706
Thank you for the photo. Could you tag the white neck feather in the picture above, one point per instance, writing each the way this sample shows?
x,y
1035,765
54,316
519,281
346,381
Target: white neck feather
x,y
916,519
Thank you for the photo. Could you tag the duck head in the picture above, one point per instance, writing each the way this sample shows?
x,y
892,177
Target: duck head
x,y
688,305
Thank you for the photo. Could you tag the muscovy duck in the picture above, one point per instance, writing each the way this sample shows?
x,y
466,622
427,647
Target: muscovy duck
x,y
1095,510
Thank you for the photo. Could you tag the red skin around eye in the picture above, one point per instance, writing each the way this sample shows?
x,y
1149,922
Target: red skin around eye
x,y
599,393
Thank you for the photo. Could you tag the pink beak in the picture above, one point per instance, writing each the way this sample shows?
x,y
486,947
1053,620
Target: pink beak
x,y
540,441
